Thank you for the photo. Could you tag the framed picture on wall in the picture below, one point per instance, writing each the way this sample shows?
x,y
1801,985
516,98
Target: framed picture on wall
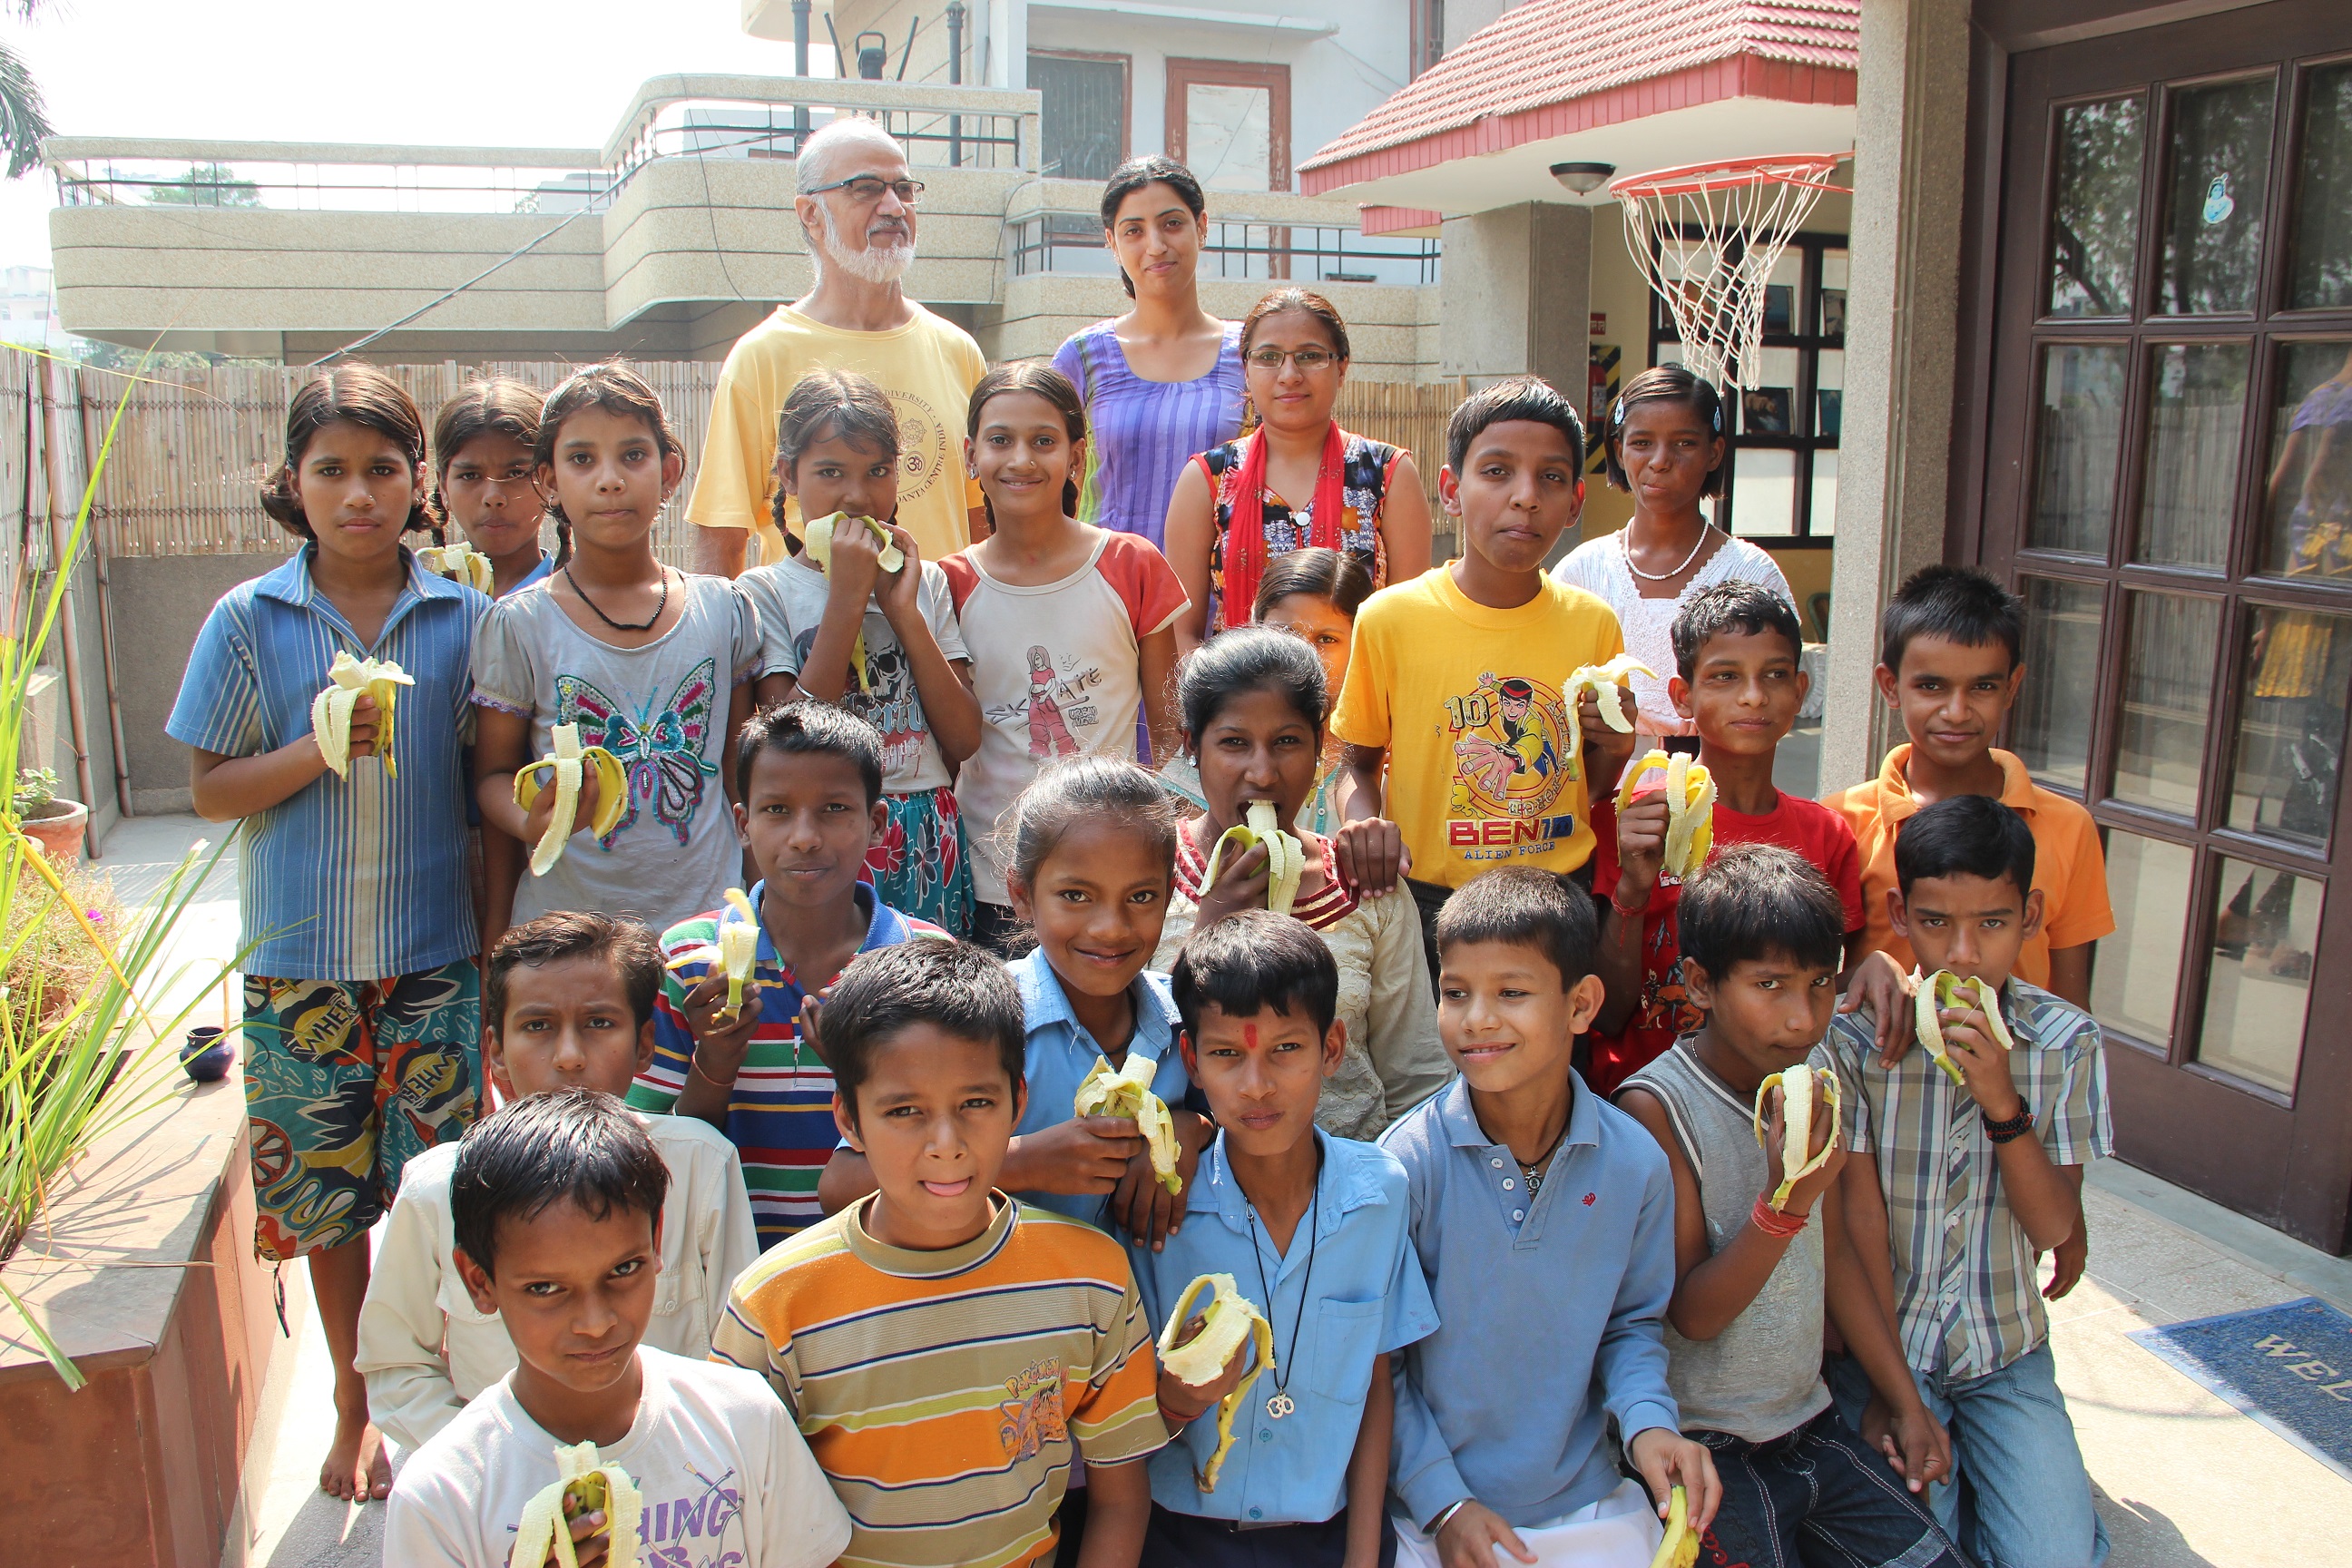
x,y
1830,409
1764,410
1832,313
1780,308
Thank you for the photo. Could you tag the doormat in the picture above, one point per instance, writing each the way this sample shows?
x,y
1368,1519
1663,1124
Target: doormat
x,y
2288,1366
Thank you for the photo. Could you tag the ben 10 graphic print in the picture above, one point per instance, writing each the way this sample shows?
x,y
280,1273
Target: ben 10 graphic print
x,y
1514,752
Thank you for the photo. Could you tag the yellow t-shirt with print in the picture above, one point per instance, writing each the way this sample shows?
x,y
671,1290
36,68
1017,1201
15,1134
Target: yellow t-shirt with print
x,y
1483,765
928,367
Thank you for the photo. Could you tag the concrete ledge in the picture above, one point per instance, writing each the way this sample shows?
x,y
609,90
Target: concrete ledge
x,y
144,1272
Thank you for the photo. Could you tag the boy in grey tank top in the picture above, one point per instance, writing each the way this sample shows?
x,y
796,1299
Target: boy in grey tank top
x,y
1762,936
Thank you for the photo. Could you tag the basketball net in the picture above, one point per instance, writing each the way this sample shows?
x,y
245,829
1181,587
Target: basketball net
x,y
1707,237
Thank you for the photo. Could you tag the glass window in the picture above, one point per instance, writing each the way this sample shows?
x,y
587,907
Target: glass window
x,y
2309,477
1082,122
2057,706
2291,725
1829,321
2134,972
2094,211
2320,274
2217,178
1825,515
2197,398
2171,645
1764,493
2079,435
1769,407
1829,396
1229,136
2258,979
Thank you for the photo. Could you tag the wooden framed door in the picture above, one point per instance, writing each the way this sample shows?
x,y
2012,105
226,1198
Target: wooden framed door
x,y
1229,122
2169,483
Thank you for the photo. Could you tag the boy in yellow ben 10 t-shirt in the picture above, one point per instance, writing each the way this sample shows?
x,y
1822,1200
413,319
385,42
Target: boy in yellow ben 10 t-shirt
x,y
1455,682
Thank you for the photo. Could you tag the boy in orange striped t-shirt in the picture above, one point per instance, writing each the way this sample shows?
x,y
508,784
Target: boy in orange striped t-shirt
x,y
949,1352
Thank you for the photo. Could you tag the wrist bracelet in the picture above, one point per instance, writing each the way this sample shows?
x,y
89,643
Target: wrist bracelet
x,y
1635,913
693,1065
1448,1511
2016,1126
1772,1222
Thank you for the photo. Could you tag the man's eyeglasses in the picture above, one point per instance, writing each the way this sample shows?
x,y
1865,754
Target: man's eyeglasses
x,y
1308,360
868,188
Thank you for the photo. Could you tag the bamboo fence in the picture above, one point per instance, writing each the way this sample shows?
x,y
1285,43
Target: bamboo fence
x,y
196,444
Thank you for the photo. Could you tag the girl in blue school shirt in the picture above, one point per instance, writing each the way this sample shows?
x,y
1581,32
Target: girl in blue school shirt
x,y
361,1006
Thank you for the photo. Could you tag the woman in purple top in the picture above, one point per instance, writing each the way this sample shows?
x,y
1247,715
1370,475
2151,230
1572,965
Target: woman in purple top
x,y
1164,381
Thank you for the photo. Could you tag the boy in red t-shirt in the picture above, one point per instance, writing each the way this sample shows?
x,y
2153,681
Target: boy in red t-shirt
x,y
1738,674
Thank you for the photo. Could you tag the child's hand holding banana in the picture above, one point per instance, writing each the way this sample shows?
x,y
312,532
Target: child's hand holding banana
x,y
1821,1107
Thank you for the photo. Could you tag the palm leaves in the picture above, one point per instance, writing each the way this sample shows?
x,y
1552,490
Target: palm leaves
x,y
24,118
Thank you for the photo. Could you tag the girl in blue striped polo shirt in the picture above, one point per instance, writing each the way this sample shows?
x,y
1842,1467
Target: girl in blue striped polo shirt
x,y
361,1005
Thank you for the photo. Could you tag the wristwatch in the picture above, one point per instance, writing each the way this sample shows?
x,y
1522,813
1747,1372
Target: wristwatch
x,y
2016,1126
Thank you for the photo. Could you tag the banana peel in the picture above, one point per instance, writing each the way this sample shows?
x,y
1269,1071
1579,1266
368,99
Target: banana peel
x,y
1800,1087
1229,1321
1689,790
817,538
1285,857
1680,1547
737,952
1128,1092
348,680
565,768
1604,681
1944,990
583,1484
460,564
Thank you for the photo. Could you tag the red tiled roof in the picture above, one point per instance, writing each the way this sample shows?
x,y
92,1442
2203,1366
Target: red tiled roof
x,y
1546,53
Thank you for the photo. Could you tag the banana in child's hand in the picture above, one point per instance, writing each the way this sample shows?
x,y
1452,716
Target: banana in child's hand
x,y
817,537
1285,858
583,1485
1128,1092
1800,1087
460,564
737,952
1944,990
565,767
1229,1319
348,680
1605,681
1680,1547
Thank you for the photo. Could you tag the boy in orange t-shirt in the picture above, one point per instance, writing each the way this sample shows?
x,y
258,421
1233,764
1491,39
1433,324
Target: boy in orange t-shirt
x,y
1951,662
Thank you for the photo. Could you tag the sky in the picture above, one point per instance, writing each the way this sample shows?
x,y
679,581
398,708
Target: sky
x,y
530,73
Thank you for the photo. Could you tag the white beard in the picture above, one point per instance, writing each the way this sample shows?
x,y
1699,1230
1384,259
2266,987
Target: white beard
x,y
875,264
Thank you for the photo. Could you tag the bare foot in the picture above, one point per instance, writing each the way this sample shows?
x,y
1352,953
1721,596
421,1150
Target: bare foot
x,y
357,1468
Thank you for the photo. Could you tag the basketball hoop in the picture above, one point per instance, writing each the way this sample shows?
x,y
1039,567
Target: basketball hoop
x,y
1707,237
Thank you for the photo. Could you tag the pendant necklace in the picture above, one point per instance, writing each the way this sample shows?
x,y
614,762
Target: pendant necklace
x,y
1625,547
659,605
1279,1404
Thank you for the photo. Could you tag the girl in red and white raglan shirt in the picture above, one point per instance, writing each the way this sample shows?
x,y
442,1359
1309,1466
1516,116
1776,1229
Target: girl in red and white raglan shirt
x,y
1069,627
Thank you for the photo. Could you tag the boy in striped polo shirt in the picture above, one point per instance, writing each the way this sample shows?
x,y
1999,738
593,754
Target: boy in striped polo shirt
x,y
808,805
949,1351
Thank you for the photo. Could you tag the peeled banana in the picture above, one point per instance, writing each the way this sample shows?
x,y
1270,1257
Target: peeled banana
x,y
1680,1547
1284,858
1128,1092
817,537
348,680
461,564
565,766
1800,1086
1944,990
1229,1319
1690,808
1604,681
737,952
583,1484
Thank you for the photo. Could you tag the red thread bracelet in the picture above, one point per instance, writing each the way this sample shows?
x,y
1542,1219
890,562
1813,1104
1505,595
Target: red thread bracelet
x,y
1772,1222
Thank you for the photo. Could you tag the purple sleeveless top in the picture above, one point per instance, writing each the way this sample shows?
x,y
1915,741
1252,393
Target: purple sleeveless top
x,y
1143,432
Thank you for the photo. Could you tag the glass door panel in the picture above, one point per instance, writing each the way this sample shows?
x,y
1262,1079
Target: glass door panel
x,y
2291,725
1764,492
1824,513
2218,177
1829,317
2169,652
2060,701
2319,277
2308,481
2095,218
2080,436
2258,976
2136,970
2196,410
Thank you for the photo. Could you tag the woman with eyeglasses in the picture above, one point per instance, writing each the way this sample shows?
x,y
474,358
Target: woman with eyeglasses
x,y
1164,381
1298,481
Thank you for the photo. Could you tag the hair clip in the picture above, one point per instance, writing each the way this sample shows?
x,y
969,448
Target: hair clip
x,y
1618,415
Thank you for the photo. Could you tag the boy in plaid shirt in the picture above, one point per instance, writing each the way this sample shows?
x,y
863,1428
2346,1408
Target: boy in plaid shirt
x,y
1960,1184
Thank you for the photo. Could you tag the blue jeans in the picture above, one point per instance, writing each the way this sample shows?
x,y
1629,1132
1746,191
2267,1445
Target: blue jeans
x,y
2027,1501
1815,1498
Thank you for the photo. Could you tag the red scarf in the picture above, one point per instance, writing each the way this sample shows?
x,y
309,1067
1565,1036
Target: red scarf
x,y
1245,531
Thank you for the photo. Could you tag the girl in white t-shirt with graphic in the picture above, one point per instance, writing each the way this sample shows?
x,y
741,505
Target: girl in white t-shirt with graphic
x,y
1070,627
1665,437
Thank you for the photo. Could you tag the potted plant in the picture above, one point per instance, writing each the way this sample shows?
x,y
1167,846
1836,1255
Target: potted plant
x,y
58,823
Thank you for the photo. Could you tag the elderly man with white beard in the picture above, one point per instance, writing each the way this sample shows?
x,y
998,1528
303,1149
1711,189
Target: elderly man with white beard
x,y
856,204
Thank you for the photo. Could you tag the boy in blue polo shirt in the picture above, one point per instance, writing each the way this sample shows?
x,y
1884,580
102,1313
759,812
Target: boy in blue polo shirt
x,y
808,804
361,1005
1313,1230
1545,1223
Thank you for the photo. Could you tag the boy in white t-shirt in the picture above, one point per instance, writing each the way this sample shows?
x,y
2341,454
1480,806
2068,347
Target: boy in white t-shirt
x,y
568,1003
557,1202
